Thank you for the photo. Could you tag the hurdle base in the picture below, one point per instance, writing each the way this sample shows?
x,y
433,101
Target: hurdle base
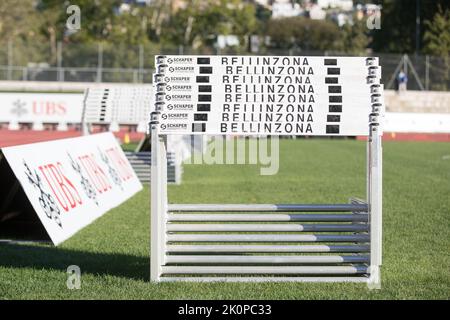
x,y
265,279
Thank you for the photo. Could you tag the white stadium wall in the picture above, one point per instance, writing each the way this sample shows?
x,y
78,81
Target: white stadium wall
x,y
406,122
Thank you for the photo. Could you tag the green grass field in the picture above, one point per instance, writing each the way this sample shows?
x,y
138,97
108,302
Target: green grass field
x,y
113,252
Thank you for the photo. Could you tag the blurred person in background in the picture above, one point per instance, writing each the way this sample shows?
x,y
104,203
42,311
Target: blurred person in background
x,y
402,80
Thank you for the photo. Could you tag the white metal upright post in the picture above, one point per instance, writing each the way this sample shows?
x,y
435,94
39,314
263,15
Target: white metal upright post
x,y
158,202
375,203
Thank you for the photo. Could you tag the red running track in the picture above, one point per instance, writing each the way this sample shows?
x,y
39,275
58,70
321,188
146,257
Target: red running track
x,y
411,136
13,138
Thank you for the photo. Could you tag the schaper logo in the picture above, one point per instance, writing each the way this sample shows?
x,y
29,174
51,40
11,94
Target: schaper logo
x,y
179,106
181,69
174,126
179,60
179,87
175,116
177,79
178,97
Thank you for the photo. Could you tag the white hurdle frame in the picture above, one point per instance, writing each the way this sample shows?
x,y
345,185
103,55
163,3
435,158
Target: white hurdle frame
x,y
172,262
160,218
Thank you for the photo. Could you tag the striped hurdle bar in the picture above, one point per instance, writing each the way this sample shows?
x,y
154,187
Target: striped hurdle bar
x,y
269,242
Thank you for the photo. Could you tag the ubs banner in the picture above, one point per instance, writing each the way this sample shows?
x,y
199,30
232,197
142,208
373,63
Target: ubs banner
x,y
71,182
267,95
41,107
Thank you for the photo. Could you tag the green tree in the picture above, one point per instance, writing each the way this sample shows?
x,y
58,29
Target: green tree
x,y
437,35
199,24
304,33
19,31
17,19
437,42
354,37
119,33
96,19
398,24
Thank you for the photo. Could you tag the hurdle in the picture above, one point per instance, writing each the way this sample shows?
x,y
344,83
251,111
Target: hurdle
x,y
268,242
116,105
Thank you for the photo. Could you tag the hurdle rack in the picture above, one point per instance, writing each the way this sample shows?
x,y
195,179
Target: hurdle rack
x,y
118,105
270,242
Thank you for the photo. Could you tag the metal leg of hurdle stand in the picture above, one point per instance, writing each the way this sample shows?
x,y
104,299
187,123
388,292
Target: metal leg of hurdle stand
x,y
158,203
374,189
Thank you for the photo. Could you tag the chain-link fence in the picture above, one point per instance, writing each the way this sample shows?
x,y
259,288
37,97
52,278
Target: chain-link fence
x,y
122,63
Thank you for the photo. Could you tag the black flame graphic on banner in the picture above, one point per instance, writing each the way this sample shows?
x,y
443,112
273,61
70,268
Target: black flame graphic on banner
x,y
86,184
46,200
112,172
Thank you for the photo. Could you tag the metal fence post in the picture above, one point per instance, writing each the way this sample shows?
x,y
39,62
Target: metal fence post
x,y
24,74
141,63
158,197
60,71
10,59
99,62
405,64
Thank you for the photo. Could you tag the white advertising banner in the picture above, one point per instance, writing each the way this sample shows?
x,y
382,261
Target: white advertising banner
x,y
72,182
41,107
417,122
275,95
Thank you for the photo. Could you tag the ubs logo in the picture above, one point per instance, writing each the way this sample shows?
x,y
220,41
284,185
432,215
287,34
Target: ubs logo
x,y
19,108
